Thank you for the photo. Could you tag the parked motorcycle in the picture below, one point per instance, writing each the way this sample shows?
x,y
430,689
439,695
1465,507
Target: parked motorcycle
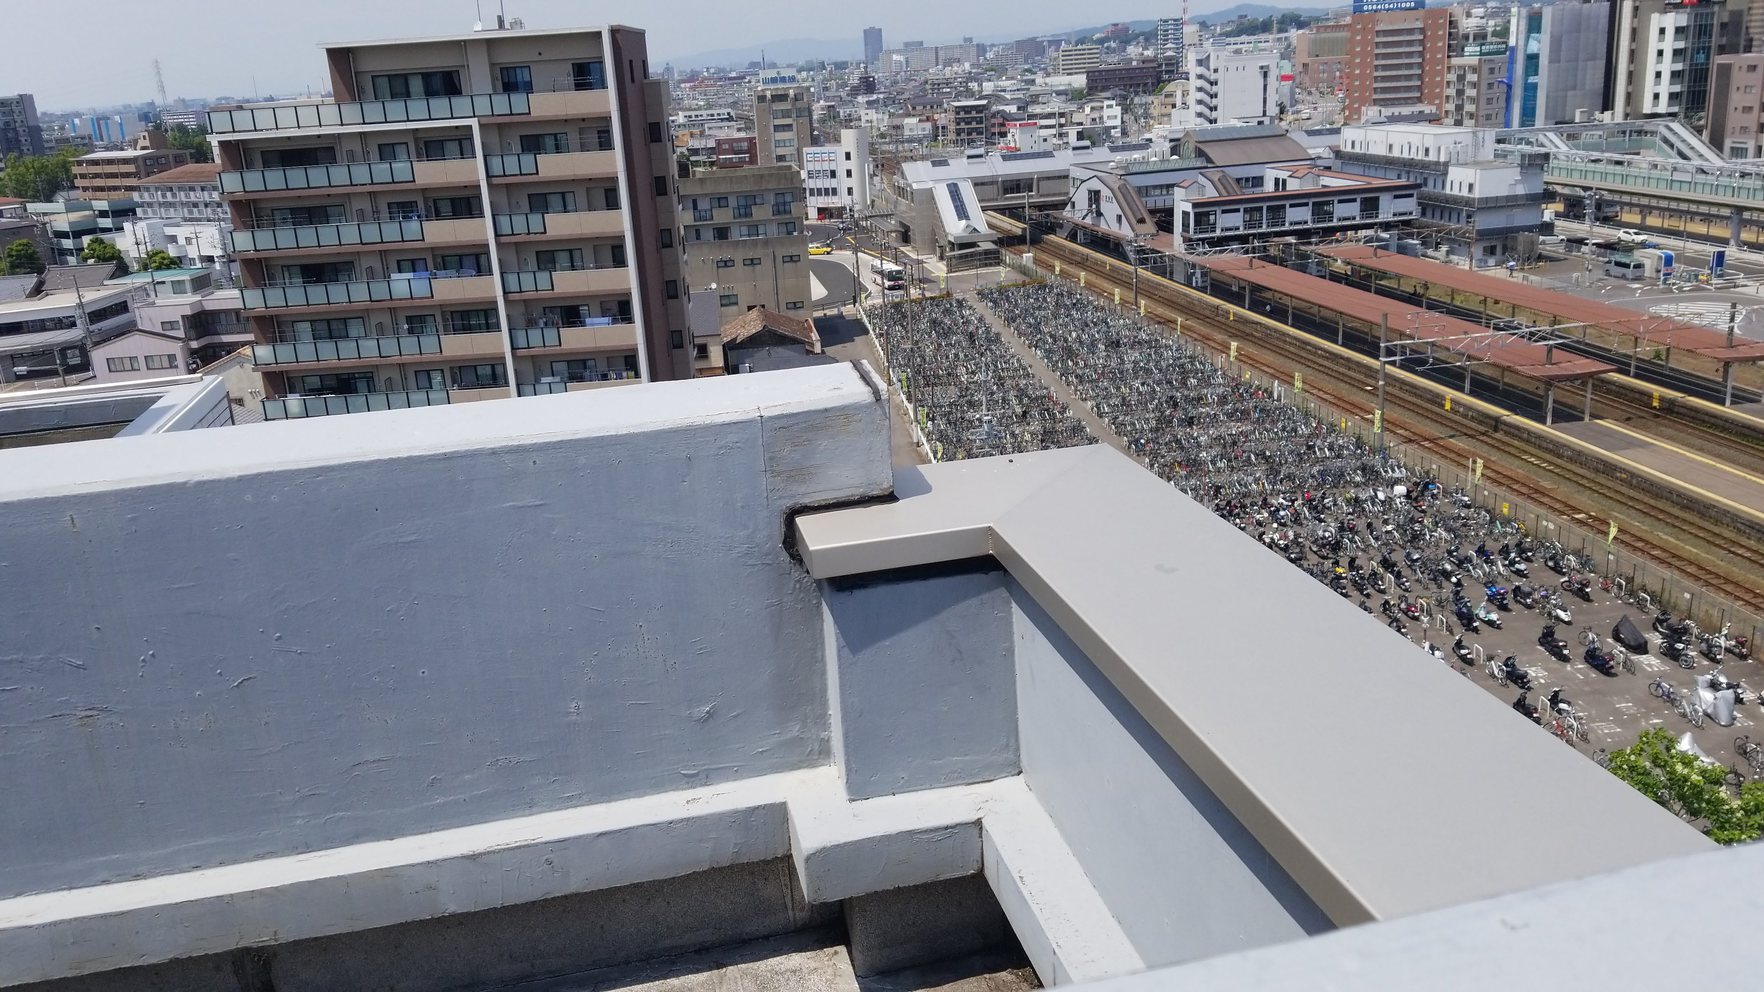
x,y
1526,709
1524,595
1462,652
1488,615
1602,662
1578,585
1555,646
1511,671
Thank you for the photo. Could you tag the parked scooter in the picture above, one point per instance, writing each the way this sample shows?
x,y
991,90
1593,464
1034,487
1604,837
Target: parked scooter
x,y
1487,614
1555,646
1602,662
1526,709
1511,671
1462,652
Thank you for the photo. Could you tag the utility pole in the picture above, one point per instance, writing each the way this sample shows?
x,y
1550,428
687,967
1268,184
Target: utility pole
x,y
1733,312
1378,418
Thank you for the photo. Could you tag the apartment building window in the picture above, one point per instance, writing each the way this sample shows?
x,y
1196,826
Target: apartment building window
x,y
752,262
676,339
333,329
725,263
419,323
671,289
162,361
661,185
786,228
336,385
171,326
729,300
789,259
429,379
545,144
393,151
701,350
469,263
479,376
590,75
793,305
576,369
848,158
552,203
752,231
290,158
471,321
665,237
719,234
435,149
411,266
517,79
129,364
655,133
404,85
455,206
395,210
558,260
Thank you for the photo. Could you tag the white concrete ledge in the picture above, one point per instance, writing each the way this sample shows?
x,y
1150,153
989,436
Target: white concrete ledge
x,y
491,865
1164,599
1062,922
841,850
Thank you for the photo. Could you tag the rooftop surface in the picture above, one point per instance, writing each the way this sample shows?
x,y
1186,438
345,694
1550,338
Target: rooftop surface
x,y
479,671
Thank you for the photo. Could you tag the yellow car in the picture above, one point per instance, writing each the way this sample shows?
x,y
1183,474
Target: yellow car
x,y
821,248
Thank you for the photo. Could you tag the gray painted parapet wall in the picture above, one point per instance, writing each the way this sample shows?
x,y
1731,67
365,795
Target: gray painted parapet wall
x,y
224,646
1374,777
921,679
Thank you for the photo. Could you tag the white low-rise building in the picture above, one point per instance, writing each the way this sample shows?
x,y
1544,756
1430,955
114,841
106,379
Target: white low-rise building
x,y
837,177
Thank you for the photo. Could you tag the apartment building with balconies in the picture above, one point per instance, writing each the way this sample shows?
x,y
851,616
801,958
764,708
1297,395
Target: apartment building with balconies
x,y
472,217
783,122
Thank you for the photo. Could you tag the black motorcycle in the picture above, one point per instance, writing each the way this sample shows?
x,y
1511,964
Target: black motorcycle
x,y
1511,671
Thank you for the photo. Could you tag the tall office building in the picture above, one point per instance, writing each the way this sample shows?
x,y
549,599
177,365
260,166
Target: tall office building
x,y
475,216
1661,54
20,131
1397,60
872,46
1170,47
783,121
1557,57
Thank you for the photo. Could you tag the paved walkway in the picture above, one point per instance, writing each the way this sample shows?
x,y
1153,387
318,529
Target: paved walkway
x,y
1079,408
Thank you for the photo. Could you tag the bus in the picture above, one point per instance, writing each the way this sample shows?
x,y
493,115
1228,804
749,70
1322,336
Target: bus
x,y
893,276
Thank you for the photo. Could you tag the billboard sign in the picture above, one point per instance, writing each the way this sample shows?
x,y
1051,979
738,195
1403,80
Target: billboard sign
x,y
1381,6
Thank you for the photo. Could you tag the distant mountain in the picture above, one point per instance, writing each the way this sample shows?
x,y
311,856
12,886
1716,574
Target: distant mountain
x,y
1257,10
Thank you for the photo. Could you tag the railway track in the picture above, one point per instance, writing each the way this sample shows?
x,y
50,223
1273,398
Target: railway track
x,y
1672,537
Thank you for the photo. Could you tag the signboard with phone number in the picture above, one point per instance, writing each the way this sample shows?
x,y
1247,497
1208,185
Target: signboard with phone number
x,y
1380,6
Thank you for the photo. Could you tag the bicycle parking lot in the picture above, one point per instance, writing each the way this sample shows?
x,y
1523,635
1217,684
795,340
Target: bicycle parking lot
x,y
1354,518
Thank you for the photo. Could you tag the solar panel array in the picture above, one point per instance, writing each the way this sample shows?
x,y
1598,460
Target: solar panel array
x,y
1022,156
959,202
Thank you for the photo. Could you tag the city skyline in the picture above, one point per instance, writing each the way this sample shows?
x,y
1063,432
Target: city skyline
x,y
265,56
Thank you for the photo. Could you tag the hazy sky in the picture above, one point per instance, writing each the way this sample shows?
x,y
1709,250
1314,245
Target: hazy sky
x,y
215,47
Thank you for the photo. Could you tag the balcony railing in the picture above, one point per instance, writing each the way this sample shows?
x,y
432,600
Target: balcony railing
x,y
553,335
540,388
703,216
289,117
561,384
346,349
333,293
319,177
527,282
297,407
527,163
328,235
513,224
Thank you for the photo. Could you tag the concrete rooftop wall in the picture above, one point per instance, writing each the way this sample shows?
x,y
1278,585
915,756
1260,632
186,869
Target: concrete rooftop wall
x,y
278,638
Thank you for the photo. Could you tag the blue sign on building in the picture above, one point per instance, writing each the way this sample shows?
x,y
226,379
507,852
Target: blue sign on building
x,y
1380,6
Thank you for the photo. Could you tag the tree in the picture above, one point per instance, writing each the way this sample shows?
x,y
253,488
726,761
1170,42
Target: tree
x,y
22,257
37,178
100,250
1691,788
190,139
159,258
